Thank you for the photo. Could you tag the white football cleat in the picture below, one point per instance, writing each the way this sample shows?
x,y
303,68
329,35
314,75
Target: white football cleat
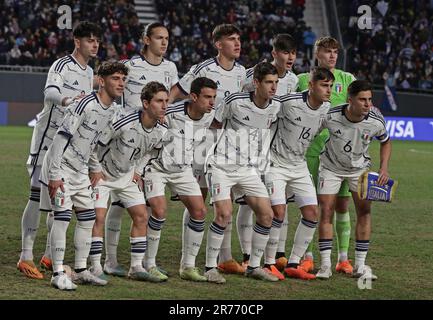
x,y
62,282
86,277
324,273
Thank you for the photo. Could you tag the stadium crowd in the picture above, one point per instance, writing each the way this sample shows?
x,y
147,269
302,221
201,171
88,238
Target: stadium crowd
x,y
399,46
398,49
190,24
29,34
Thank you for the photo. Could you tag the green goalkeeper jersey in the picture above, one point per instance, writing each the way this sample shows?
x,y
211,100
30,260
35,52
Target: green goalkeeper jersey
x,y
338,96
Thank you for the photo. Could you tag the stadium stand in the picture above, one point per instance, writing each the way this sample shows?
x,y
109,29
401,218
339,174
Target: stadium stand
x,y
191,23
29,33
398,48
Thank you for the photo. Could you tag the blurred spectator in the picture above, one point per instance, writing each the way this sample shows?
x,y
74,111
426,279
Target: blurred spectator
x,y
400,42
258,20
29,32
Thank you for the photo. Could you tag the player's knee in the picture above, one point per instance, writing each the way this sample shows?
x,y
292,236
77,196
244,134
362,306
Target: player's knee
x,y
140,220
310,213
265,218
342,204
159,212
199,213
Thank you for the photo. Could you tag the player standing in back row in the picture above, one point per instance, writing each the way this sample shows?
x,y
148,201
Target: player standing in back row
x,y
69,79
230,77
326,53
145,67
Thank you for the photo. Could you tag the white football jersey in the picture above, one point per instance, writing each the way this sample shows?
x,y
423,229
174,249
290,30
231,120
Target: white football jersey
x,y
184,136
142,72
228,81
297,126
244,139
286,84
125,143
83,124
67,76
347,148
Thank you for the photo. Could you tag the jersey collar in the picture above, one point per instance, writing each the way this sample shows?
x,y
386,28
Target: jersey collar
x,y
143,58
76,62
344,110
252,100
217,63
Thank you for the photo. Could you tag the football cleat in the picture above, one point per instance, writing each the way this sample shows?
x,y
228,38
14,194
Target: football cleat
x,y
298,273
155,271
117,270
140,274
46,263
274,271
98,272
344,267
192,274
62,282
324,273
214,276
307,264
281,263
231,266
29,269
86,277
260,274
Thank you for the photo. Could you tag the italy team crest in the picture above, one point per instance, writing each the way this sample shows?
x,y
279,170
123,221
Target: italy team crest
x,y
216,189
148,185
365,135
338,87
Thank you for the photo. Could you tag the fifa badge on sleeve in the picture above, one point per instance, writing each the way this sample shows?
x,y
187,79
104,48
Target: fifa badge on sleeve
x,y
368,188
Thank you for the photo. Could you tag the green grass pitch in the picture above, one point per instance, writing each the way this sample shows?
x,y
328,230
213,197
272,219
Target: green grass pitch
x,y
400,251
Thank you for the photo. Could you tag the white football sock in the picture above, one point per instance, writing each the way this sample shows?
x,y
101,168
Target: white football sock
x,y
244,226
29,227
260,239
83,237
226,246
303,236
215,237
113,224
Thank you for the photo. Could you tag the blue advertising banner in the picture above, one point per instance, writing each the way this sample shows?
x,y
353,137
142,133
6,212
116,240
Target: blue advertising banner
x,y
417,129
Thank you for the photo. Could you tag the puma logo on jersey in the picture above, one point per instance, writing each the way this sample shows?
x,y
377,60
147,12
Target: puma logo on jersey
x,y
298,119
131,140
142,77
338,131
246,118
75,83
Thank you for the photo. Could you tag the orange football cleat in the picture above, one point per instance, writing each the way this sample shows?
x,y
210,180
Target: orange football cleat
x,y
299,273
231,266
274,271
307,264
46,263
344,267
29,269
281,263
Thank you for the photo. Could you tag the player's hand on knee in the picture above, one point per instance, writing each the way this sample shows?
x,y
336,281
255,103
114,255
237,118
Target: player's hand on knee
x,y
137,179
53,185
95,177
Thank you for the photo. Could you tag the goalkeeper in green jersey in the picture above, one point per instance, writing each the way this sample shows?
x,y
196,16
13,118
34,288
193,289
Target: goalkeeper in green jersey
x,y
326,53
